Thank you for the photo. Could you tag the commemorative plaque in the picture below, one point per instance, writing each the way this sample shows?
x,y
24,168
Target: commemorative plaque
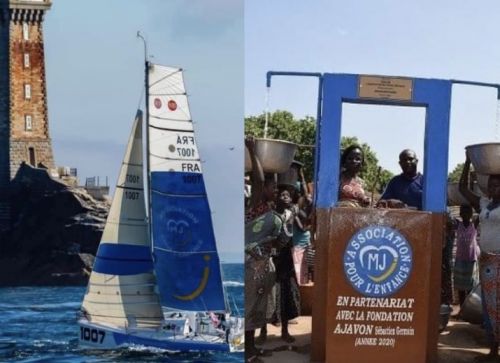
x,y
385,88
383,286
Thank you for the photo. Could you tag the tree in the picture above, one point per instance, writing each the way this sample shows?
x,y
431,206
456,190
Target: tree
x,y
282,125
454,176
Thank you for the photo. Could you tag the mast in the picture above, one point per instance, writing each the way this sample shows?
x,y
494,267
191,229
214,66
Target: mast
x,y
146,104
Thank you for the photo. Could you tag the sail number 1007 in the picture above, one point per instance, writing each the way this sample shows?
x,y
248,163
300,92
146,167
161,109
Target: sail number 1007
x,y
92,335
131,195
131,178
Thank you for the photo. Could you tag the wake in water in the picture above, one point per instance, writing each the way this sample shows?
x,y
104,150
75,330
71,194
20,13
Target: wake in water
x,y
41,307
39,325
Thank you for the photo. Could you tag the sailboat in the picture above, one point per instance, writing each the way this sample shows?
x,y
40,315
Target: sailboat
x,y
157,279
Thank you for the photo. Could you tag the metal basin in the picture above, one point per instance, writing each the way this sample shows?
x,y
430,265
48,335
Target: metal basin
x,y
275,156
485,157
454,195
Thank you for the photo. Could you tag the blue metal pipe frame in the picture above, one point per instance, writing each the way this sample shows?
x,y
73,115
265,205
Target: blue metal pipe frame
x,y
334,89
433,94
318,112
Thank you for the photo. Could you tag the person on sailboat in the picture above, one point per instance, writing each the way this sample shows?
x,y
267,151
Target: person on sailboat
x,y
216,322
262,227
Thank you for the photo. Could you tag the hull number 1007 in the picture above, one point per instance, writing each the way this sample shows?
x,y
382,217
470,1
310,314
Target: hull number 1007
x,y
92,335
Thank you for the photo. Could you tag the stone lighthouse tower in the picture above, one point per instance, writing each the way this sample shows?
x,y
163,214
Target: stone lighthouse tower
x,y
24,126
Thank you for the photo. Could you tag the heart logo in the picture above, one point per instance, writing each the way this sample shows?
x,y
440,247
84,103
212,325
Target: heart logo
x,y
379,262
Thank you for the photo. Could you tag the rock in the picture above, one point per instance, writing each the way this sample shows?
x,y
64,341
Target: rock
x,y
55,232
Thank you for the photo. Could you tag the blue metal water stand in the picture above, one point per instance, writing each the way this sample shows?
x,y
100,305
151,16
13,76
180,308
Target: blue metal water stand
x,y
434,94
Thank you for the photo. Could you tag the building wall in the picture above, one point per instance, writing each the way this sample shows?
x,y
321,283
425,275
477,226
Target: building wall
x,y
21,139
4,120
15,139
4,102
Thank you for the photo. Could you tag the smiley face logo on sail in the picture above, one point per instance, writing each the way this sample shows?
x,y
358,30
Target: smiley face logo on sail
x,y
377,261
201,286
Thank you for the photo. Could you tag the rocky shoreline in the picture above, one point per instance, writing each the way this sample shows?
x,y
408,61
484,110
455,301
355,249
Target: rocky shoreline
x,y
54,234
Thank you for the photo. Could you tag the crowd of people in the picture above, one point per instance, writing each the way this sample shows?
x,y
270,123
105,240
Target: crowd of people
x,y
489,256
278,235
277,241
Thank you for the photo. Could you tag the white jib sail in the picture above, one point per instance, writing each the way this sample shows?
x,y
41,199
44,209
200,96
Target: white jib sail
x,y
121,289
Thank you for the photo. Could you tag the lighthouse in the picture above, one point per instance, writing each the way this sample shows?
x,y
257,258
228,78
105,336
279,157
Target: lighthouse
x,y
24,124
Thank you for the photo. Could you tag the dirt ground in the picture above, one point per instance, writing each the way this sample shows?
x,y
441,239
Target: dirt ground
x,y
461,342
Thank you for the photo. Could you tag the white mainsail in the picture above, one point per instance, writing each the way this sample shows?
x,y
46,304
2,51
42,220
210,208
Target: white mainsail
x,y
121,289
186,261
171,138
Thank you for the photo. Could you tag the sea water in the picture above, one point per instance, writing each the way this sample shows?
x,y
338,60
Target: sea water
x,y
39,325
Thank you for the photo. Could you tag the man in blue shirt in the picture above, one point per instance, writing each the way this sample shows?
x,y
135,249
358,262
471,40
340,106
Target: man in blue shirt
x,y
405,189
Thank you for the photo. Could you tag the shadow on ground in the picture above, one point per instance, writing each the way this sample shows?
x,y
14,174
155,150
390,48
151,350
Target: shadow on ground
x,y
461,342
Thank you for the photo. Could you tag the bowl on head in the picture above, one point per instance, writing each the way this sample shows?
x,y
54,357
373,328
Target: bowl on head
x,y
485,157
275,156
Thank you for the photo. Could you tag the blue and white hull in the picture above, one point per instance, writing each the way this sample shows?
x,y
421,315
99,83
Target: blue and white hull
x,y
97,336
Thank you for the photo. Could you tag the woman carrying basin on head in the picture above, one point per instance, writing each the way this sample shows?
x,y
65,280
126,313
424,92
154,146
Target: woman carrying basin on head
x,y
489,260
262,227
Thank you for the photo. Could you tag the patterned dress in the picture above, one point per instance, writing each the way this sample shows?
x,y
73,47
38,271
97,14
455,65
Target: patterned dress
x,y
466,256
351,192
446,254
301,240
260,275
287,289
253,212
489,267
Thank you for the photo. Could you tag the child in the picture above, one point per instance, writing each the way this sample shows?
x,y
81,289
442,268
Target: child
x,y
301,238
467,253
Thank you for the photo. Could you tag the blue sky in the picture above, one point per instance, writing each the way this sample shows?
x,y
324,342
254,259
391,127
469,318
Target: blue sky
x,y
428,39
95,75
94,69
